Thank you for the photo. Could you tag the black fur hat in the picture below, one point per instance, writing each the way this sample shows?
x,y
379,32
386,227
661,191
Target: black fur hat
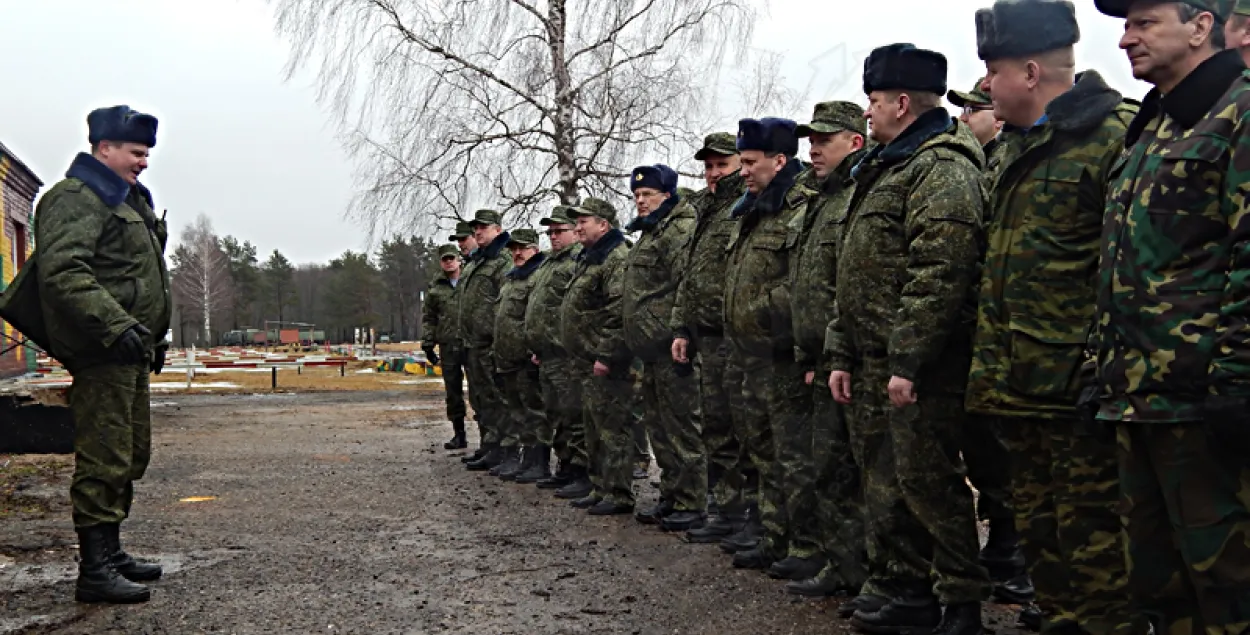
x,y
905,67
1016,28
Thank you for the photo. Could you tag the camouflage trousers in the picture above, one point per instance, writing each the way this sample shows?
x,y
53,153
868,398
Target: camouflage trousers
x,y
523,415
1186,500
485,396
921,527
609,436
672,423
111,406
989,468
452,361
576,435
794,446
839,492
562,402
1065,489
720,397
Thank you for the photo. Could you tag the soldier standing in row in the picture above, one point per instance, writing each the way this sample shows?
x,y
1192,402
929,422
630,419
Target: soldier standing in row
x,y
1171,346
591,327
439,313
1237,30
649,288
900,346
479,297
827,554
698,324
758,323
561,386
522,391
977,112
1063,132
463,237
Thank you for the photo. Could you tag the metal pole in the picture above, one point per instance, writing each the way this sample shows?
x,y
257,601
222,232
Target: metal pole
x,y
274,378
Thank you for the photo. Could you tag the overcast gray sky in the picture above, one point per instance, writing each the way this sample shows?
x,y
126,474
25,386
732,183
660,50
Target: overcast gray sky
x,y
257,154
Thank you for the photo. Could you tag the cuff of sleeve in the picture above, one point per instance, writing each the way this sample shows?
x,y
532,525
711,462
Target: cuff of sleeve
x,y
905,366
682,333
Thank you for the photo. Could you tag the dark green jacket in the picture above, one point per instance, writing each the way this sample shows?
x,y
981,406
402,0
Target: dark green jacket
x,y
652,272
439,314
511,350
480,284
700,303
542,314
591,324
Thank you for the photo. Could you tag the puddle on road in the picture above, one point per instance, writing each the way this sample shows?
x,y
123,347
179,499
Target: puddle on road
x,y
21,577
413,407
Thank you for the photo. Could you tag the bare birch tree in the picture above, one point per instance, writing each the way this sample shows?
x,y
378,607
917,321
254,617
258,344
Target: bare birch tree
x,y
515,104
201,275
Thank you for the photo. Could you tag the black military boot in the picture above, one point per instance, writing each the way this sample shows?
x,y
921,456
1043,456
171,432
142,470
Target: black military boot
x,y
121,561
961,619
608,508
579,487
537,465
1001,555
477,454
824,584
511,465
458,440
98,581
493,457
910,614
794,568
756,558
746,539
683,520
717,527
1030,617
563,476
586,502
1018,590
652,515
866,603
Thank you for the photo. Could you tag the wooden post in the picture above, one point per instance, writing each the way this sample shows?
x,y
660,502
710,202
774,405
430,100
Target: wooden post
x,y
274,378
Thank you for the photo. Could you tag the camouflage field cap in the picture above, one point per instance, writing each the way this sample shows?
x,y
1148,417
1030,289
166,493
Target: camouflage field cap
x,y
523,237
487,217
974,97
1242,7
596,207
448,251
717,144
559,216
463,230
1221,9
830,117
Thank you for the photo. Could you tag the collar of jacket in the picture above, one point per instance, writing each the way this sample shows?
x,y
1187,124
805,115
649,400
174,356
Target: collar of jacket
x,y
598,252
1193,97
492,250
729,189
653,220
1082,107
924,128
444,279
98,178
527,269
990,147
773,198
561,254
836,180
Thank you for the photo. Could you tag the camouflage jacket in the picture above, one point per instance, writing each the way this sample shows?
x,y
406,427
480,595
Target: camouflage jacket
x,y
813,268
542,314
511,350
757,287
649,284
100,264
995,153
700,303
439,313
909,261
480,284
1173,291
1037,285
591,324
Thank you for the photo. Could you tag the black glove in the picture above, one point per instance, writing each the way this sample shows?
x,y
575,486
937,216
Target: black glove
x,y
130,347
498,378
1228,419
158,358
430,355
1087,410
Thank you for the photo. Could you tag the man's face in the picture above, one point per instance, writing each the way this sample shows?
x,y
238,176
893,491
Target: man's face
x,y
884,114
1156,40
127,160
485,234
590,229
1007,82
521,254
450,264
1237,33
759,169
830,149
467,244
561,236
647,200
719,167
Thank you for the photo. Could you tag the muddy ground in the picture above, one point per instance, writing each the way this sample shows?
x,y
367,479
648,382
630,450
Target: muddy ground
x,y
341,513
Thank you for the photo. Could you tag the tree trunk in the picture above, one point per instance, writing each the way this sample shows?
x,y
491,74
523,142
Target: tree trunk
x,y
562,124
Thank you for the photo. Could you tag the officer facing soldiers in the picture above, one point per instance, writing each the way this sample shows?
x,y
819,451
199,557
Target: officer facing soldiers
x,y
95,295
900,347
522,392
649,288
483,279
561,386
1171,348
1063,132
824,495
698,325
439,313
758,323
592,330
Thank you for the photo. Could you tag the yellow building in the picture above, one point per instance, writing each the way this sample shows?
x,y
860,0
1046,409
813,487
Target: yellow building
x,y
18,187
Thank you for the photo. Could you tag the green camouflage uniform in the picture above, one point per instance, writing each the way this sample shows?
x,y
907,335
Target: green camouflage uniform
x,y
698,317
480,284
669,397
100,270
439,313
1036,307
591,329
561,387
522,390
758,324
906,279
1172,349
